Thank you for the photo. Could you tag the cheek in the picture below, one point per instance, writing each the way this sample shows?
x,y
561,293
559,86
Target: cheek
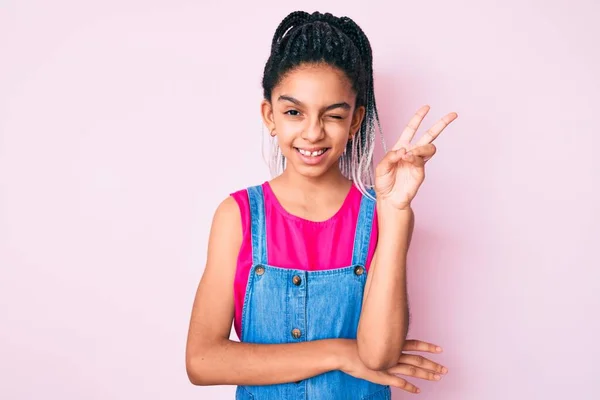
x,y
338,131
287,133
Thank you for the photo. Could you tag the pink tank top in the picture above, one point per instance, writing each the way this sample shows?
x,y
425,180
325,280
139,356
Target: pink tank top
x,y
294,242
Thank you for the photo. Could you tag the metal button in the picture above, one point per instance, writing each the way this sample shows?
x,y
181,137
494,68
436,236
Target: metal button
x,y
359,270
297,280
260,270
296,333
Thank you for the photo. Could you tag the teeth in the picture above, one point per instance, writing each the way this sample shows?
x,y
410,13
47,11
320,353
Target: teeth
x,y
313,154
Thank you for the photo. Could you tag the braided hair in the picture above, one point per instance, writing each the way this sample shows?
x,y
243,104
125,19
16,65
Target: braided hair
x,y
303,38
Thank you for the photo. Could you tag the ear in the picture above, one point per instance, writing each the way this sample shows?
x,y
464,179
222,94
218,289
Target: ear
x,y
357,119
266,111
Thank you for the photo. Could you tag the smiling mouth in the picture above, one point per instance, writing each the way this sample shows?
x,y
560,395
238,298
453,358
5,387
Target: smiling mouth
x,y
308,153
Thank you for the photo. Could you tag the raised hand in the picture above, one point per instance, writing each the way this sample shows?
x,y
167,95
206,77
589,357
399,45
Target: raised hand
x,y
401,172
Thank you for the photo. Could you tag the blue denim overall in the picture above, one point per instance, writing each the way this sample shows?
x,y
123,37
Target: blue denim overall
x,y
283,305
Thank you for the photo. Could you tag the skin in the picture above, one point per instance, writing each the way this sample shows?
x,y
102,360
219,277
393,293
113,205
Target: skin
x,y
300,113
384,319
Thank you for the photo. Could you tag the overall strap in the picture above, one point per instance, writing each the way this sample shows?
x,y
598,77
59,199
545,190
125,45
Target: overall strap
x,y
364,226
258,225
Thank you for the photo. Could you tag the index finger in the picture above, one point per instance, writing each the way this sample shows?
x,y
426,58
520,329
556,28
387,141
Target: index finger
x,y
409,131
419,345
436,129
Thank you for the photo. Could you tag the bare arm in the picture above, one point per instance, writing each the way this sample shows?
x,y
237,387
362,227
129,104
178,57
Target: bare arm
x,y
383,322
384,319
213,359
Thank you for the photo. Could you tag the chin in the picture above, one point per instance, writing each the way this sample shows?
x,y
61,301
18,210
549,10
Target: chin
x,y
312,172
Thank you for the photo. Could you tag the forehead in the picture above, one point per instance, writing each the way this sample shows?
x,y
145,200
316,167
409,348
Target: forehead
x,y
318,84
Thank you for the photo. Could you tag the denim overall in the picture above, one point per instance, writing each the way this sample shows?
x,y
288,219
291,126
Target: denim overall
x,y
283,305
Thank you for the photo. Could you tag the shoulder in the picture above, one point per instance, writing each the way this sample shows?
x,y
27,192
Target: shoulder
x,y
241,196
227,218
233,206
230,210
234,210
227,208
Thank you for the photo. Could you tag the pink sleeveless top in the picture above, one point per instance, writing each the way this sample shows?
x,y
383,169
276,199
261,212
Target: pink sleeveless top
x,y
294,242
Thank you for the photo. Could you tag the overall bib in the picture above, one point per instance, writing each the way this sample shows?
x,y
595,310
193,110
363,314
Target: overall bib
x,y
283,305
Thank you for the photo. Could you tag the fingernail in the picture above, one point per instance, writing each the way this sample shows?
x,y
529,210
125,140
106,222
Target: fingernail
x,y
444,370
438,348
437,377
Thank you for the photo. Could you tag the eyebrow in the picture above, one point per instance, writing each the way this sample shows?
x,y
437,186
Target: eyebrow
x,y
342,105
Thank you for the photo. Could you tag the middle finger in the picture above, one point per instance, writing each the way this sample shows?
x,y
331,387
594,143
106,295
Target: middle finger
x,y
422,362
410,370
409,131
433,132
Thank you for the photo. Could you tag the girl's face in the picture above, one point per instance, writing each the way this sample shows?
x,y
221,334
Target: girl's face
x,y
312,112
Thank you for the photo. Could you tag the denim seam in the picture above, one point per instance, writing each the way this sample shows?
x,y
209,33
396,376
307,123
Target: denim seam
x,y
247,392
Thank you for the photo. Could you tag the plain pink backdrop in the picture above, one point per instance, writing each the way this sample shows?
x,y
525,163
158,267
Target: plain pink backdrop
x,y
124,123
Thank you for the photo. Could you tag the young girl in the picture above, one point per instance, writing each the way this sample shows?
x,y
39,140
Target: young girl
x,y
311,266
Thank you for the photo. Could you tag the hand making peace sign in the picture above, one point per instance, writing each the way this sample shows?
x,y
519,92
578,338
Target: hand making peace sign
x,y
402,171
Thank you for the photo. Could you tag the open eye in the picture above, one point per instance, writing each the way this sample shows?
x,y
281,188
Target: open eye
x,y
294,113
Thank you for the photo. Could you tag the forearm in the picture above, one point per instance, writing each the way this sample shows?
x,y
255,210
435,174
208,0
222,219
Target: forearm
x,y
384,318
237,363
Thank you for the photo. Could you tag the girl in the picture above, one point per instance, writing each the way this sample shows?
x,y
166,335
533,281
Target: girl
x,y
311,266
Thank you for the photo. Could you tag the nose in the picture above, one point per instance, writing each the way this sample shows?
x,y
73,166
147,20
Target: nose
x,y
314,132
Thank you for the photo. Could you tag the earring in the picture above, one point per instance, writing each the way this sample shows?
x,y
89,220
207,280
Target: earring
x,y
273,132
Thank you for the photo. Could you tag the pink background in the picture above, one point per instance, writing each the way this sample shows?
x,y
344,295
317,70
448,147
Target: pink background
x,y
124,123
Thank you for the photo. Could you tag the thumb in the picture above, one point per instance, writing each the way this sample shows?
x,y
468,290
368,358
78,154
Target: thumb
x,y
388,163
